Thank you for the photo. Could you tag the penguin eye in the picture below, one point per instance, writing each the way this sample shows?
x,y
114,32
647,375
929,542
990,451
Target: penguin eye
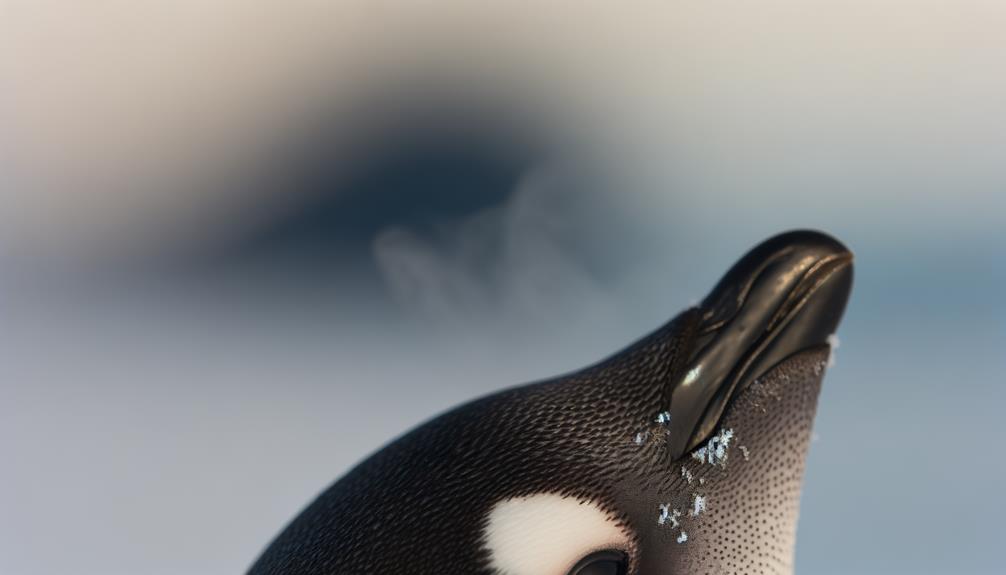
x,y
548,532
607,562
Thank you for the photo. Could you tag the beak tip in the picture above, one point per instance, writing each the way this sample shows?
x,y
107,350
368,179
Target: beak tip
x,y
788,294
789,254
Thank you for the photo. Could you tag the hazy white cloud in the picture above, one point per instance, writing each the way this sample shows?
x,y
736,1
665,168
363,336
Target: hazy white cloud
x,y
511,262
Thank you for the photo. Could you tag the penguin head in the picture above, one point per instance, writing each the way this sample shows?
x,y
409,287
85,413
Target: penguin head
x,y
683,453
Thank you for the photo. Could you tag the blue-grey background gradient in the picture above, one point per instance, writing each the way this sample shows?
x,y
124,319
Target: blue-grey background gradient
x,y
241,248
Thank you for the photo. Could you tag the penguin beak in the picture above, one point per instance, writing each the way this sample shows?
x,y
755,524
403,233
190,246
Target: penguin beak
x,y
785,296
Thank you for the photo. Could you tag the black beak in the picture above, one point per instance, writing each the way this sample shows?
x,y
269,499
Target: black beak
x,y
785,296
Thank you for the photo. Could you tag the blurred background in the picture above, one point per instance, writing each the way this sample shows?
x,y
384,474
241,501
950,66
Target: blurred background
x,y
243,245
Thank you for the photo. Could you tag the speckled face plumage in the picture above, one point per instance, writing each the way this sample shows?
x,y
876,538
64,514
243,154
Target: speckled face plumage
x,y
460,494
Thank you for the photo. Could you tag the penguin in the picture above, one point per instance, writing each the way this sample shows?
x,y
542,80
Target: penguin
x,y
683,453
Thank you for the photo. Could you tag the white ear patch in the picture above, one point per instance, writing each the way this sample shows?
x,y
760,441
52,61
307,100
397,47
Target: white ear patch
x,y
546,534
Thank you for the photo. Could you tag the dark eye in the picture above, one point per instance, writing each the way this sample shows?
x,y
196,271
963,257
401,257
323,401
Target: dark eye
x,y
607,562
